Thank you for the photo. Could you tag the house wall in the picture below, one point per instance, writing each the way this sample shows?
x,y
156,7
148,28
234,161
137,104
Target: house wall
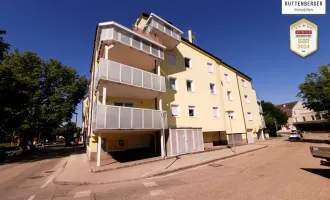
x,y
299,111
201,98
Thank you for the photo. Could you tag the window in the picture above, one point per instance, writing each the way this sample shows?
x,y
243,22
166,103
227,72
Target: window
x,y
229,95
175,109
210,67
246,99
173,83
244,83
249,116
294,112
124,104
313,118
190,86
192,111
232,115
187,63
212,88
324,116
215,112
318,117
171,59
304,119
227,78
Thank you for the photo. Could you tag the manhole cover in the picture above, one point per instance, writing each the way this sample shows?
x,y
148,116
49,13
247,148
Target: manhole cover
x,y
49,172
215,165
35,177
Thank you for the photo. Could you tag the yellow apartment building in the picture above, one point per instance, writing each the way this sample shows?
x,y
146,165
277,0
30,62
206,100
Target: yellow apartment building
x,y
151,88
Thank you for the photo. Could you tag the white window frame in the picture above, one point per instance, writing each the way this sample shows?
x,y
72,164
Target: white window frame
x,y
195,111
184,62
214,89
232,115
246,98
210,67
168,59
250,116
230,96
192,85
176,85
218,114
178,106
227,77
244,83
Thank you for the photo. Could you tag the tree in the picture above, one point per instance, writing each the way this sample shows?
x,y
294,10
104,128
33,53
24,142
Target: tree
x,y
68,130
37,95
273,114
4,47
315,91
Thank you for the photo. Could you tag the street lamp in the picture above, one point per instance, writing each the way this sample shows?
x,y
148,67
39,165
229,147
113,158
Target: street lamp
x,y
74,139
231,129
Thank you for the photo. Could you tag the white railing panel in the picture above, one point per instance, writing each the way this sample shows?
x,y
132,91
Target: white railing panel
x,y
126,74
147,79
112,118
113,71
156,82
137,118
137,77
100,117
157,118
147,119
125,118
162,84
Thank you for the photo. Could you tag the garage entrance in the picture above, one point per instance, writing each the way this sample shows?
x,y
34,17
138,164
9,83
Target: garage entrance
x,y
249,136
184,140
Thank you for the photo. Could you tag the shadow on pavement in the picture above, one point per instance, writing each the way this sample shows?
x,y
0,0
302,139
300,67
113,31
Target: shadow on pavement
x,y
321,172
47,153
132,155
311,141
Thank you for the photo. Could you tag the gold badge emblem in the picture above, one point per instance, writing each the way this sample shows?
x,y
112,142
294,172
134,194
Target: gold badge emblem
x,y
303,37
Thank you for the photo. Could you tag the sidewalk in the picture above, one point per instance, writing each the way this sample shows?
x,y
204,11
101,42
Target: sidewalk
x,y
78,171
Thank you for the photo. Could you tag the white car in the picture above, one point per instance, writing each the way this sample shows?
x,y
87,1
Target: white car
x,y
294,136
14,151
40,146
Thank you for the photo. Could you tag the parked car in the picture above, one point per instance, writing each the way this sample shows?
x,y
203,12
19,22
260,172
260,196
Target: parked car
x,y
3,154
294,136
321,152
40,146
13,151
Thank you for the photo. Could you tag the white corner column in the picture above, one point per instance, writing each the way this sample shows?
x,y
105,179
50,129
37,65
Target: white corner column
x,y
160,106
99,141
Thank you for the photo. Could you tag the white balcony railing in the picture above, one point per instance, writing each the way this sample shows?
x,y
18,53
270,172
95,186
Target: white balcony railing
x,y
260,109
263,123
119,73
155,21
117,117
114,31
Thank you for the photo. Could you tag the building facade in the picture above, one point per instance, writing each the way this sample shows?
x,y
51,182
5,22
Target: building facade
x,y
300,117
152,88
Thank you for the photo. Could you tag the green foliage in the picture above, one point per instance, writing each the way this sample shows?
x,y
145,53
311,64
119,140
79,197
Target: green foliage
x,y
68,130
315,91
37,94
4,47
273,114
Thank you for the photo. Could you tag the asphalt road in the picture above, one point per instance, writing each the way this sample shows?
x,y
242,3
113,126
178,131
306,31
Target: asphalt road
x,y
283,171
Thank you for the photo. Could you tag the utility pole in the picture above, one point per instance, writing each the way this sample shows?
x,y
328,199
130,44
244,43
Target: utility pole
x,y
231,129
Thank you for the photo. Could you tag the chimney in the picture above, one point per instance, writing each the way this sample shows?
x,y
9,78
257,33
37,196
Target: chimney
x,y
190,36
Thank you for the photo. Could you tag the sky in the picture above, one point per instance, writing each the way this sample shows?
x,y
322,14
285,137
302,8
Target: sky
x,y
252,36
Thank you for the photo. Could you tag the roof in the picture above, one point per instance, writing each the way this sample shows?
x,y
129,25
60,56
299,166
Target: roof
x,y
203,50
147,16
287,107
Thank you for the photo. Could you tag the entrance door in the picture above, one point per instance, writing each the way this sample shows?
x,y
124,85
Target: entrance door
x,y
181,136
249,136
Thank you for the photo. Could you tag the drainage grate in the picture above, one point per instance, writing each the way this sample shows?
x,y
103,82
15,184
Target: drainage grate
x,y
47,172
36,177
215,165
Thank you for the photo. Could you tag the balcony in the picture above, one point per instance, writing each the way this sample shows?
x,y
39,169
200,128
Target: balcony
x,y
128,82
128,47
263,123
109,118
260,109
169,34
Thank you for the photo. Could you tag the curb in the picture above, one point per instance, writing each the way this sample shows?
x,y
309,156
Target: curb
x,y
156,174
203,163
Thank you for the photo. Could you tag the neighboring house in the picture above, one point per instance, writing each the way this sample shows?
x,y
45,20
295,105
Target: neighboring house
x,y
151,88
299,116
